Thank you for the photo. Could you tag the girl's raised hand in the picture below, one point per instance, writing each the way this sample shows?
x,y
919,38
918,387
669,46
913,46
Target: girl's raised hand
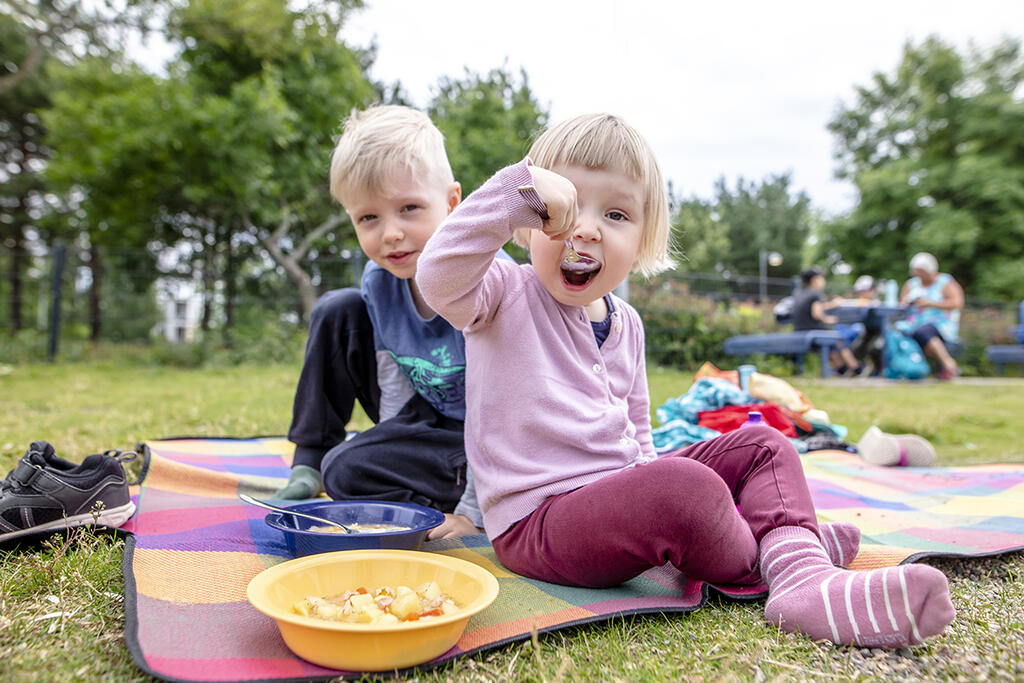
x,y
559,196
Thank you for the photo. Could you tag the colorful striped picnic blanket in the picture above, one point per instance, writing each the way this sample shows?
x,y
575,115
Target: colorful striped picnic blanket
x,y
195,547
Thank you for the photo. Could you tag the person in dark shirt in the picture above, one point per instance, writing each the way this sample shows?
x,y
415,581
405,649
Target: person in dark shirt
x,y
810,312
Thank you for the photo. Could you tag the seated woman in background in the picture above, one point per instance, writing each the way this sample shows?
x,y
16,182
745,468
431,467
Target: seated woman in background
x,y
934,301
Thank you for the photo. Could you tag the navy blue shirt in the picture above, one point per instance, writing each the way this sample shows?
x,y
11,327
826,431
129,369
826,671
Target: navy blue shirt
x,y
602,328
430,352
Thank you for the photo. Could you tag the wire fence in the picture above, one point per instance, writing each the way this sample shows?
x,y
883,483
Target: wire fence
x,y
176,297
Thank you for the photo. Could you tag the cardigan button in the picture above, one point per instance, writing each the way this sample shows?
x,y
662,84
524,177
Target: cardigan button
x,y
597,367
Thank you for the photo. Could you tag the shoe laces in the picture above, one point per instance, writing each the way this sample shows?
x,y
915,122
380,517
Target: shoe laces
x,y
124,457
121,456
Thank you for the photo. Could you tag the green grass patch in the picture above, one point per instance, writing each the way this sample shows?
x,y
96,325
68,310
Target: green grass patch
x,y
61,605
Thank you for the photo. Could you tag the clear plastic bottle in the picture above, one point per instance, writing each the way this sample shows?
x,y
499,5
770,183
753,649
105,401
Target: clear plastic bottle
x,y
892,294
745,372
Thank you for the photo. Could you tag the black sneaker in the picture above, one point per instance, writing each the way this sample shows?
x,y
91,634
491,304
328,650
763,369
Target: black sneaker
x,y
47,493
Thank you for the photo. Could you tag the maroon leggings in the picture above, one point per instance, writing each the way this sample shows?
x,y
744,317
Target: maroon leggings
x,y
681,508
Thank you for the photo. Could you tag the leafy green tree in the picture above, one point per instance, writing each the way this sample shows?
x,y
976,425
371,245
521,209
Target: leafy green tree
x,y
701,237
35,37
766,215
24,152
66,31
227,152
292,60
936,151
114,130
489,121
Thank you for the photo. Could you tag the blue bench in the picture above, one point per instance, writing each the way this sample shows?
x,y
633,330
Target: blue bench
x,y
999,355
794,344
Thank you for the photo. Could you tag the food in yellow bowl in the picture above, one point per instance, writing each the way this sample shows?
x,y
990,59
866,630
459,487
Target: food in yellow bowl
x,y
370,646
383,605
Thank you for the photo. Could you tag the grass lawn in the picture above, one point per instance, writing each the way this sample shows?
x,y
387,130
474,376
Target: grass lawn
x,y
61,604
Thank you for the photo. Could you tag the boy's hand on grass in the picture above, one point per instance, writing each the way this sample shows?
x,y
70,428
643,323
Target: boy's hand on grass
x,y
453,525
559,196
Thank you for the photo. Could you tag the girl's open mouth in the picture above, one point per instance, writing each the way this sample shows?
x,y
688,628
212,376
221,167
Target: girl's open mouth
x,y
579,273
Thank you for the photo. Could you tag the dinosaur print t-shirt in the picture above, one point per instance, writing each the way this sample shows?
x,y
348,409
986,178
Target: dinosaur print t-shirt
x,y
430,352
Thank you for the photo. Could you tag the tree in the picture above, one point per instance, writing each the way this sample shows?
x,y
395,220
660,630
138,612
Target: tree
x,y
701,237
38,35
228,151
295,60
936,151
23,154
488,122
115,131
66,31
728,233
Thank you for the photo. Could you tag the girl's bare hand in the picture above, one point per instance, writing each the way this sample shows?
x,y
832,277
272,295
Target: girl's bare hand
x,y
559,195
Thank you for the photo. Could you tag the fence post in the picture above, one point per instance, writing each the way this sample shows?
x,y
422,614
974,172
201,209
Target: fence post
x,y
357,267
58,276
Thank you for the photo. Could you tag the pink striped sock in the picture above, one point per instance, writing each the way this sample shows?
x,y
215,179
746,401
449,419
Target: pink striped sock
x,y
889,607
841,541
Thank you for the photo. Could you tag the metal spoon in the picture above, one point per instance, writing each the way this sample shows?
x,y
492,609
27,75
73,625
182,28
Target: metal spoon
x,y
246,498
572,256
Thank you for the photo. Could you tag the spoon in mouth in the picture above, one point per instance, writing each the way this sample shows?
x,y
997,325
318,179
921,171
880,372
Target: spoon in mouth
x,y
246,498
572,256
578,263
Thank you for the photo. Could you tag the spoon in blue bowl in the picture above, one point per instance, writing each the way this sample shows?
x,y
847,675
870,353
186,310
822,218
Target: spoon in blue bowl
x,y
246,498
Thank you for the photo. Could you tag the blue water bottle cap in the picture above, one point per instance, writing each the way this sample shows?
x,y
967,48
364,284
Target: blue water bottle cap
x,y
754,418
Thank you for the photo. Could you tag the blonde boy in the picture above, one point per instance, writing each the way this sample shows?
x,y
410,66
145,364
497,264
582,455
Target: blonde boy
x,y
382,344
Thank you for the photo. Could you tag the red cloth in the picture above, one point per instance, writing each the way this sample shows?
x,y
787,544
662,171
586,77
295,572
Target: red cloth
x,y
733,417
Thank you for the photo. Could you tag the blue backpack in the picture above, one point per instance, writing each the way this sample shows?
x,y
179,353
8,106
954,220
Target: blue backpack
x,y
903,357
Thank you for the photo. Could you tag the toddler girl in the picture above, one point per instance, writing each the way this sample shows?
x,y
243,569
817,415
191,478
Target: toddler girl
x,y
558,429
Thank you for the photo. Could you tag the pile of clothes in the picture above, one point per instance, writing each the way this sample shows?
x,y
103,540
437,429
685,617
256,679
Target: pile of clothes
x,y
716,404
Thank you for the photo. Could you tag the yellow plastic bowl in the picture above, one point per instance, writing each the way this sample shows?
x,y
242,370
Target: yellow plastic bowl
x,y
364,647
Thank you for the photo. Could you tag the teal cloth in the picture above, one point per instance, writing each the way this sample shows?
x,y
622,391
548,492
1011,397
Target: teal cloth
x,y
679,417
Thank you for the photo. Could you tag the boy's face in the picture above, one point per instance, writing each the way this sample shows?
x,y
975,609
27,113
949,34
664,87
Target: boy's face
x,y
609,229
392,225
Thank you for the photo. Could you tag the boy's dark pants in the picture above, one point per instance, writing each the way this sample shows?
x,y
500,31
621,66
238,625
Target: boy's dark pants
x,y
417,456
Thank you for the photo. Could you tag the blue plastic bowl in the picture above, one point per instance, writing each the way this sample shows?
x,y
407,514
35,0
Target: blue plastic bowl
x,y
301,541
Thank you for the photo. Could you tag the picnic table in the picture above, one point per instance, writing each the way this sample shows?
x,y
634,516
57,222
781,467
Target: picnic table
x,y
874,316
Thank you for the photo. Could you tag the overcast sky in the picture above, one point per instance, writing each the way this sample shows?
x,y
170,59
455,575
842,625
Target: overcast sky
x,y
719,88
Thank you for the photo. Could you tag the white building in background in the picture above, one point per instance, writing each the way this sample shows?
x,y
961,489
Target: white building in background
x,y
181,303
179,298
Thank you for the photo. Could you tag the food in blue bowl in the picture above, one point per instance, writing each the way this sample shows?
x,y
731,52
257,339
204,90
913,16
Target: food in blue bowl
x,y
376,523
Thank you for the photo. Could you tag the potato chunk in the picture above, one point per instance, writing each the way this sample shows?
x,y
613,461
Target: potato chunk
x,y
405,604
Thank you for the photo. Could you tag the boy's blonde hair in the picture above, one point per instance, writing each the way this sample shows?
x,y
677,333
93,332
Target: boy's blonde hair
x,y
380,141
604,141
